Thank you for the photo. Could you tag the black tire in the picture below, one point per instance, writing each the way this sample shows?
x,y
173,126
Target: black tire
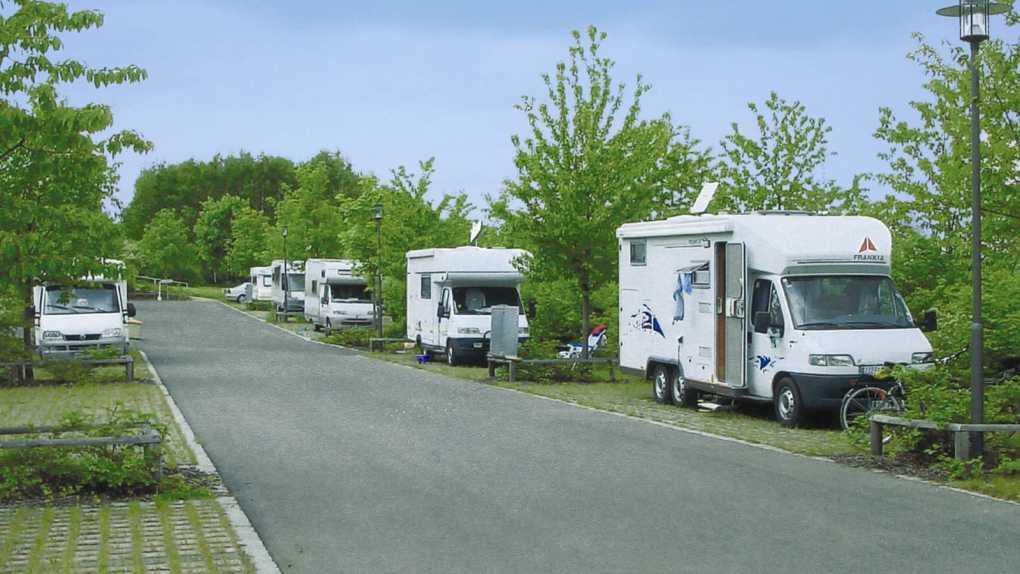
x,y
452,358
241,299
682,394
662,384
787,404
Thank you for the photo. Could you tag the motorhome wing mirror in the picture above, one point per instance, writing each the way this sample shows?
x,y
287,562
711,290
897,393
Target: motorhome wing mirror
x,y
324,301
531,308
131,311
762,322
929,321
31,312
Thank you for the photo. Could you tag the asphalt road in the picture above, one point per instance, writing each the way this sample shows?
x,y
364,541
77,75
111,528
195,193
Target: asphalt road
x,y
347,464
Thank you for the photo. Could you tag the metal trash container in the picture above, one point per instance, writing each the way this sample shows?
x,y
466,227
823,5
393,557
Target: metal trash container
x,y
503,338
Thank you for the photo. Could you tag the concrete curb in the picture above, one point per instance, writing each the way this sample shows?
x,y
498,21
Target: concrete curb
x,y
247,536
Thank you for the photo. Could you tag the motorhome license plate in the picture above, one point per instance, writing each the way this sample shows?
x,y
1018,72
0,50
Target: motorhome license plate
x,y
479,345
869,369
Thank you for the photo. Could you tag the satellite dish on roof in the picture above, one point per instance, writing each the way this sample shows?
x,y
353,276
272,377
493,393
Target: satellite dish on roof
x,y
476,230
705,197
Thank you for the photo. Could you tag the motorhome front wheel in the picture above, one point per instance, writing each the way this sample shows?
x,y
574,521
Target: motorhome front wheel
x,y
787,403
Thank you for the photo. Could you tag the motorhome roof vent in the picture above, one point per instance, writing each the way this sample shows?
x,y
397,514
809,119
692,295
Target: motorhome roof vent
x,y
784,212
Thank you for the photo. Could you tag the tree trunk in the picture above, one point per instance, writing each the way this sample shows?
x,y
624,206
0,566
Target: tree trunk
x,y
585,317
28,326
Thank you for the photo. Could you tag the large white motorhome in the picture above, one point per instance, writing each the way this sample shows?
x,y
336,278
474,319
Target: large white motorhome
x,y
289,287
785,307
88,314
334,295
261,283
450,295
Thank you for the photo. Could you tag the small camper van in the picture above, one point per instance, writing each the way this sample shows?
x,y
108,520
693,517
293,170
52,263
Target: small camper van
x,y
262,283
293,282
90,314
791,308
334,295
450,295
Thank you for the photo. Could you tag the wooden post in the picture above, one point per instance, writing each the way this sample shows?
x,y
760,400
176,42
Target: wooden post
x,y
492,368
961,445
130,368
876,438
513,370
612,372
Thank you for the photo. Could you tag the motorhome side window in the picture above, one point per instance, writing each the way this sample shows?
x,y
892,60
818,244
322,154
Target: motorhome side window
x,y
426,287
267,281
637,252
702,276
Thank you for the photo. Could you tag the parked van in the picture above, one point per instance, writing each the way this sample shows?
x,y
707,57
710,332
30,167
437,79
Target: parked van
x,y
785,307
88,314
262,283
334,295
450,295
289,287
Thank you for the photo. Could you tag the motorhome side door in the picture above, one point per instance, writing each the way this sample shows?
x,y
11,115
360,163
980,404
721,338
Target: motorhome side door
x,y
736,316
444,313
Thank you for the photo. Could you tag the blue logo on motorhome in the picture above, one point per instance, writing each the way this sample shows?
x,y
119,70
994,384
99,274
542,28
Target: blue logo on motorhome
x,y
645,320
764,362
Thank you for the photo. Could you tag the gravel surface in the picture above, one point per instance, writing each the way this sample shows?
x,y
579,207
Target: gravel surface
x,y
347,464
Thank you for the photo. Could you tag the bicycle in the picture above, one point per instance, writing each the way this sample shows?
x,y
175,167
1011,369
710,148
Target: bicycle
x,y
872,400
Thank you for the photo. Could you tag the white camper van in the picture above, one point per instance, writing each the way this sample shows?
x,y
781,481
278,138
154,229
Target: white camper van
x,y
334,295
85,315
450,295
293,282
785,307
262,283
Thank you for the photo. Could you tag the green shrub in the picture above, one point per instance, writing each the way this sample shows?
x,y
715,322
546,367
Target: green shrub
x,y
74,471
356,337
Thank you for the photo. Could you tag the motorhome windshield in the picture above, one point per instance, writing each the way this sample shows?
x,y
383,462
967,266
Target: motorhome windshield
x,y
349,294
63,300
846,302
481,300
296,281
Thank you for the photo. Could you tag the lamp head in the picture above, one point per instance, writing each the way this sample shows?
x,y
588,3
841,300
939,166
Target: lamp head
x,y
377,212
974,16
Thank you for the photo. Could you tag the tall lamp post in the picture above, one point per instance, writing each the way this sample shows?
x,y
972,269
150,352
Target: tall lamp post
x,y
285,278
378,214
973,16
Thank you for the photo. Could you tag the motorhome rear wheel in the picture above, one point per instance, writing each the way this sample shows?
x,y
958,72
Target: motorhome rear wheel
x,y
662,383
683,394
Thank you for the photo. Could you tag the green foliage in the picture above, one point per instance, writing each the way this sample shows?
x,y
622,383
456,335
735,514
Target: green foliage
x,y
76,471
777,168
355,337
213,232
55,170
410,221
259,181
583,171
249,242
166,250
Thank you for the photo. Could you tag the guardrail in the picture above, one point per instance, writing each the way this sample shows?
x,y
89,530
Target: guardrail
x,y
514,362
126,360
146,438
960,431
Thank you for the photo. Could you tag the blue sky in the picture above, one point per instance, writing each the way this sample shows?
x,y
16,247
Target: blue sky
x,y
390,83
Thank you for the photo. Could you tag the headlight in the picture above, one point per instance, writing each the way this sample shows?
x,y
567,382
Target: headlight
x,y
52,335
925,357
522,331
831,360
468,331
115,332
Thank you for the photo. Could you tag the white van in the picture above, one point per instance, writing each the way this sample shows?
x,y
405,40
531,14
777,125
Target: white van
x,y
89,314
293,282
450,295
785,307
261,279
334,295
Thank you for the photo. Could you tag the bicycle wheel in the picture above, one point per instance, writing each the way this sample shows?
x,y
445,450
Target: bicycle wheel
x,y
865,402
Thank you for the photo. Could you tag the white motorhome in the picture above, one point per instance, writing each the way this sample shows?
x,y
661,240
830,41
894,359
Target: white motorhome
x,y
261,279
289,286
334,295
785,307
450,295
85,315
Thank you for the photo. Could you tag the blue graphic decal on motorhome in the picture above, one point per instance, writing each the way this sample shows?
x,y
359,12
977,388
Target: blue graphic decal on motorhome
x,y
645,320
764,362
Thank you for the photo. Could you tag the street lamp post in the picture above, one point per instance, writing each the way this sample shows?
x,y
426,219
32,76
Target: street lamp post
x,y
285,278
974,16
378,215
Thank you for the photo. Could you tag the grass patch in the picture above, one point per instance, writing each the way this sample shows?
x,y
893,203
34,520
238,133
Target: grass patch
x,y
1007,487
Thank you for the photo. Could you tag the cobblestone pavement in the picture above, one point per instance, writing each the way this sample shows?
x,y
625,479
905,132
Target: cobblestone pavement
x,y
180,537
